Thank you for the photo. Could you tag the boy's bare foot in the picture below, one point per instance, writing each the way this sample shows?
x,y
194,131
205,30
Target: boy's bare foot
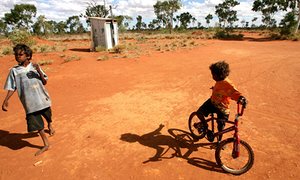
x,y
45,148
51,130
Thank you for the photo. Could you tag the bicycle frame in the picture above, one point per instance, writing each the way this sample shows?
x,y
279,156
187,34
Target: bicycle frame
x,y
234,127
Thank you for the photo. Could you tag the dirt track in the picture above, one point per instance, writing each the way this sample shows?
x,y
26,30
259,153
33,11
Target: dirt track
x,y
95,103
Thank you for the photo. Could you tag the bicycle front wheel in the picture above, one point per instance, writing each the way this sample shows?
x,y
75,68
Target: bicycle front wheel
x,y
197,128
228,163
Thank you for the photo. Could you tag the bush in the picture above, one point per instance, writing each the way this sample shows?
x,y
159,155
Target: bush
x,y
7,50
223,34
19,36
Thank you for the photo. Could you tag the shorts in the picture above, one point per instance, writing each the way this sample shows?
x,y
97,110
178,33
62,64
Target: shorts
x,y
35,121
208,107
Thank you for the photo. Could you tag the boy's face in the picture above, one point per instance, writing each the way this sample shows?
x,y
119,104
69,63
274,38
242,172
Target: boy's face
x,y
21,57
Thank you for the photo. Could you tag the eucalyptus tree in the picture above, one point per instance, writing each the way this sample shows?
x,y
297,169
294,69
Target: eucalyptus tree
x,y
226,14
208,18
139,23
95,10
185,19
20,16
123,21
74,24
41,26
164,11
267,6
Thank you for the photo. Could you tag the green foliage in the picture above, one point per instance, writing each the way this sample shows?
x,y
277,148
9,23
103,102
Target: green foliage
x,y
268,8
21,16
21,36
164,10
95,10
74,24
208,18
226,13
288,24
226,35
185,19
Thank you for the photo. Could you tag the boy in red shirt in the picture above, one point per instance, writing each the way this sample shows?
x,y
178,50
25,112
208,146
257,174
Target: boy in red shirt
x,y
223,91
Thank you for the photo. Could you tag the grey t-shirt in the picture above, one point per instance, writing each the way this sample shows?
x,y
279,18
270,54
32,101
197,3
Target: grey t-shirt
x,y
31,91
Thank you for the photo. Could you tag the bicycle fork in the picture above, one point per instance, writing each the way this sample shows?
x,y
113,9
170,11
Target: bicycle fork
x,y
236,143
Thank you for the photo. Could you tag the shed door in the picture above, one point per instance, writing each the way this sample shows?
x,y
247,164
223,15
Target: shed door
x,y
108,36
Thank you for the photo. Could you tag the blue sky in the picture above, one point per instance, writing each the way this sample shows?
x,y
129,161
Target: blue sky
x,y
60,10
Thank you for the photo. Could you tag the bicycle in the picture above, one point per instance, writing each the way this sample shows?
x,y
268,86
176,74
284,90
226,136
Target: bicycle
x,y
236,160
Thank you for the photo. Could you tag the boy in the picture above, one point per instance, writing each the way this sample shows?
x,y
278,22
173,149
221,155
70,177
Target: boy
x,y
222,92
29,80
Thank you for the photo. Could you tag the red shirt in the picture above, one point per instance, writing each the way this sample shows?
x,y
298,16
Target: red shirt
x,y
223,91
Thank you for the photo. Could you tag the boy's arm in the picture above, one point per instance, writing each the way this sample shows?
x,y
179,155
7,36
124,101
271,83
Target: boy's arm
x,y
5,102
37,67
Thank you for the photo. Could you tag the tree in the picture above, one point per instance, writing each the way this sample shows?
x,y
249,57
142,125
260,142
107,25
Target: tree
x,y
225,12
164,10
185,19
95,10
208,18
21,16
61,27
139,24
288,23
74,24
267,6
154,24
123,22
41,26
253,20
3,27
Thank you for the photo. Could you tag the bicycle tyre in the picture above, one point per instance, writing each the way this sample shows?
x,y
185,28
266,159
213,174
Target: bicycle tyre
x,y
225,148
200,130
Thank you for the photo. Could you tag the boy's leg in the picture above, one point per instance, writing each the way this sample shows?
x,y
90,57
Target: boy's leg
x,y
45,141
36,123
221,124
47,114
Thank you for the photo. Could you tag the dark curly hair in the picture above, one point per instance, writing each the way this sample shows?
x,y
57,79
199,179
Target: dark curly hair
x,y
220,69
24,48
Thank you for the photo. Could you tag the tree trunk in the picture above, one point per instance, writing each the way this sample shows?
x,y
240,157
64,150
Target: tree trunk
x,y
297,27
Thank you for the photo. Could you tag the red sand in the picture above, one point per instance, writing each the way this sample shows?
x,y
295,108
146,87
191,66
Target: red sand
x,y
96,102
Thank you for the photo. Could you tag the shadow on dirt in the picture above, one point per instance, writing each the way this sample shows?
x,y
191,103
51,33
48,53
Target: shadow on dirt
x,y
16,141
81,49
175,142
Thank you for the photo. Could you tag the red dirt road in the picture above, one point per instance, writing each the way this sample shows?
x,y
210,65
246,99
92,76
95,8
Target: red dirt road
x,y
95,103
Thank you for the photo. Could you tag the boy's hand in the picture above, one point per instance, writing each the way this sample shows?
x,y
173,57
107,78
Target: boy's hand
x,y
242,100
36,66
4,106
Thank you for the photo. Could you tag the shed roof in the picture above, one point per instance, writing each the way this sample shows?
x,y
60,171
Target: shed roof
x,y
102,19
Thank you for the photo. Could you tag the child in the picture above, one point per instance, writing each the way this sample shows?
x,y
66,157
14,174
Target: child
x,y
29,80
222,92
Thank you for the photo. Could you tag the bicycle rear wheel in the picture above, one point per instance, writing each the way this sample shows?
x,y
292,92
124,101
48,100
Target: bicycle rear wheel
x,y
228,163
197,128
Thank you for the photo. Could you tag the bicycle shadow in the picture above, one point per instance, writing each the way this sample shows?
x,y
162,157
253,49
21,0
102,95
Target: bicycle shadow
x,y
176,142
15,141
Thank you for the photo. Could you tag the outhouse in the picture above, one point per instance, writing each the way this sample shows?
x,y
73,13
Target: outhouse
x,y
104,32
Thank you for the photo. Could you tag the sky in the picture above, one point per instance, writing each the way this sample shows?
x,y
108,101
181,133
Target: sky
x,y
60,10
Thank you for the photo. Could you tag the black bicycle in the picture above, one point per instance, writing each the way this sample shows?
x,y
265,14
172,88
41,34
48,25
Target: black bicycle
x,y
233,155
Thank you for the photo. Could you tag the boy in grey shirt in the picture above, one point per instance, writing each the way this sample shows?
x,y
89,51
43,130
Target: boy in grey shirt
x,y
29,80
